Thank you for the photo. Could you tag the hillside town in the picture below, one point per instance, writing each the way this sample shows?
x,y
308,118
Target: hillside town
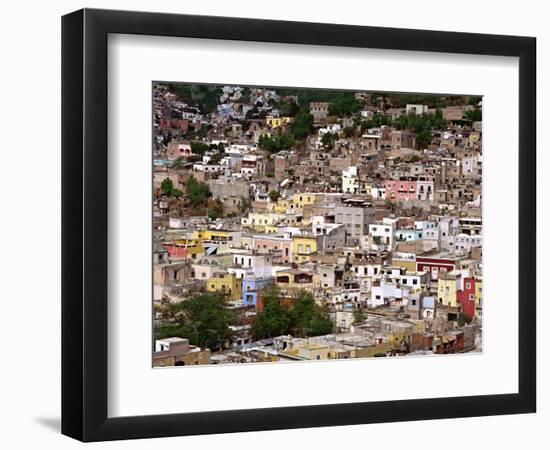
x,y
308,224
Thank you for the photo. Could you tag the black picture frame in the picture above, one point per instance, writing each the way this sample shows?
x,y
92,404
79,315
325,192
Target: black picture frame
x,y
84,224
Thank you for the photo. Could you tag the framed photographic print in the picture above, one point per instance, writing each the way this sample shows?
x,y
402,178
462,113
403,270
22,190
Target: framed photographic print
x,y
273,225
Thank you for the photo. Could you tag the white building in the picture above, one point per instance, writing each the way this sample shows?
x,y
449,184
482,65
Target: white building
x,y
425,190
470,164
382,234
350,180
447,230
258,264
378,192
416,109
386,292
463,243
340,296
429,229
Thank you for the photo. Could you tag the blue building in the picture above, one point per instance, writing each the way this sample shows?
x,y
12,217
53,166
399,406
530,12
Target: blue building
x,y
251,286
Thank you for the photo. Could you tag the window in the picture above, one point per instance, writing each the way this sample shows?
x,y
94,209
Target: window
x,y
415,281
414,302
472,298
468,285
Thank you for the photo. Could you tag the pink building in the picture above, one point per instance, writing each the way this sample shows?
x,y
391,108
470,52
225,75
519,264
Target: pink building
x,y
404,189
278,244
176,250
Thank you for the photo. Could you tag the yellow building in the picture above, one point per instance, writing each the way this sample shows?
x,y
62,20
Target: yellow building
x,y
479,296
295,279
446,289
303,248
259,221
276,122
304,198
227,284
307,351
271,229
282,205
193,247
405,260
214,235
474,137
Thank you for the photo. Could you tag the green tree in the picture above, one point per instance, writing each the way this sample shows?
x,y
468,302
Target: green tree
x,y
274,196
304,318
198,147
474,115
359,316
276,143
401,122
274,319
302,124
377,120
423,139
203,319
167,186
204,96
328,139
344,104
197,192
288,108
308,318
474,100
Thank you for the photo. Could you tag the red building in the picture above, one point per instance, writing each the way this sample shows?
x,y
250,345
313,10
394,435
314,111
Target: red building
x,y
180,124
434,265
467,297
